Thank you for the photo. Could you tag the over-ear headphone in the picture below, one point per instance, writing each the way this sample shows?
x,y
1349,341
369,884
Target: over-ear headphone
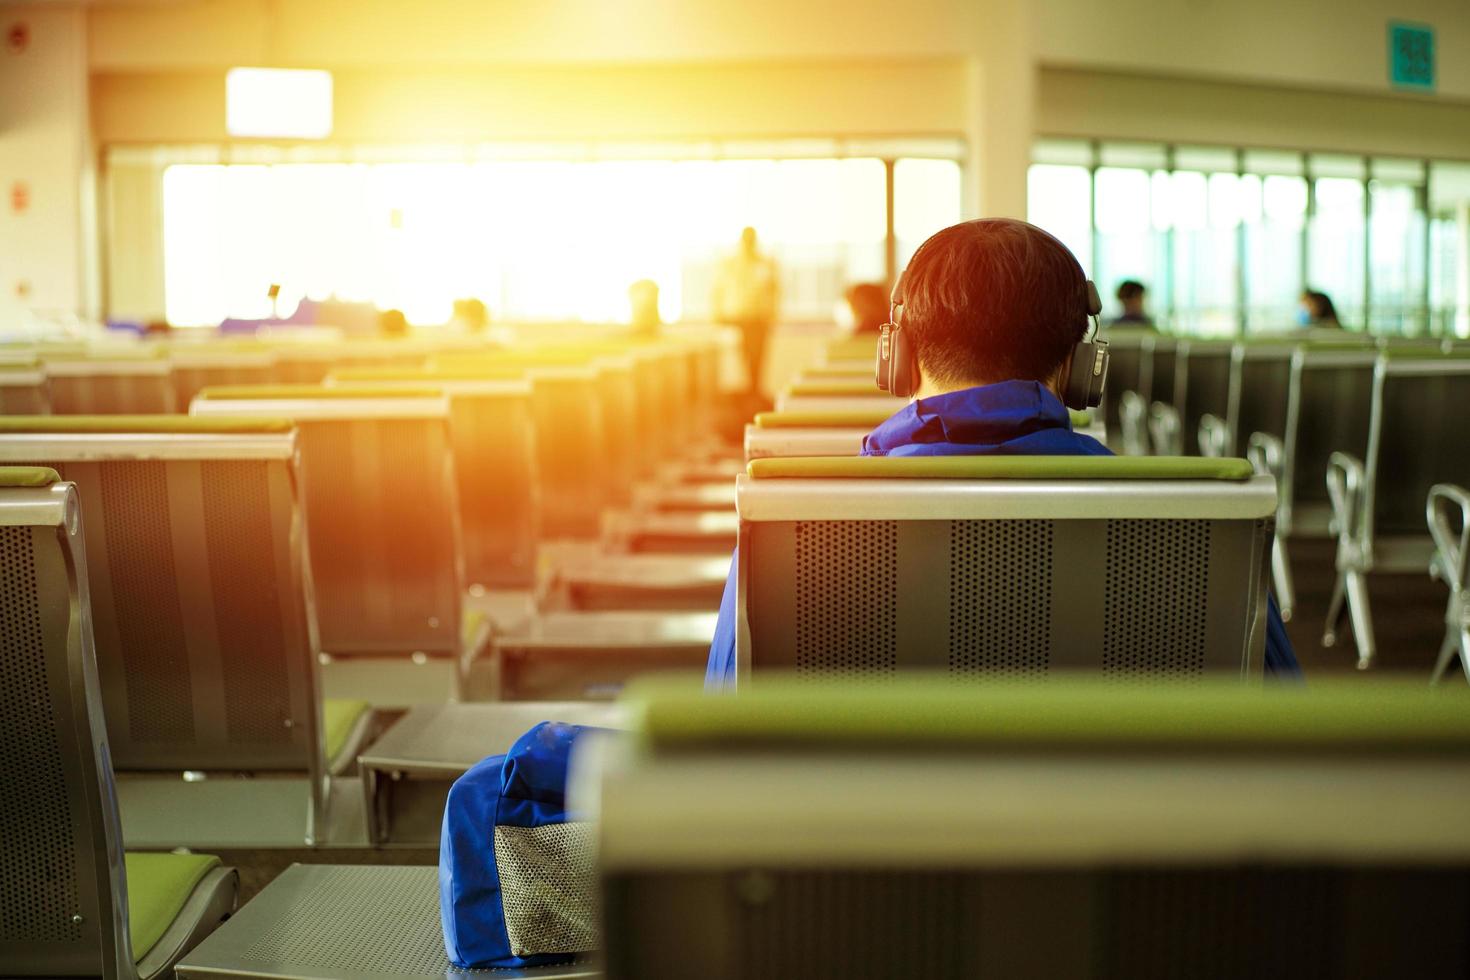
x,y
897,368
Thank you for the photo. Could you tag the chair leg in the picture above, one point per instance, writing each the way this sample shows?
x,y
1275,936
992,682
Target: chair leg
x,y
1334,610
1465,652
1281,573
1362,618
1447,650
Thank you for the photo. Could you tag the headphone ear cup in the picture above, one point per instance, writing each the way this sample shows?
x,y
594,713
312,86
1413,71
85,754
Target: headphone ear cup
x,y
903,372
1088,377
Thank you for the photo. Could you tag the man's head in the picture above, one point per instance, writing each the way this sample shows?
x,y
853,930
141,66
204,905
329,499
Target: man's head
x,y
868,302
748,241
1130,297
993,300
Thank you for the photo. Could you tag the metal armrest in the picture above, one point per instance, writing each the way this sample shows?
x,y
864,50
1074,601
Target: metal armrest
x,y
1214,436
1132,412
1345,478
1452,552
1165,428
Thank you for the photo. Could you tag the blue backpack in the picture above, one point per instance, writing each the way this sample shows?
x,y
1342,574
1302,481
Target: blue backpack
x,y
516,876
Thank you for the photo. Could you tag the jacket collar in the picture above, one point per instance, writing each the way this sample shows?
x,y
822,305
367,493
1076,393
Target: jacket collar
x,y
987,415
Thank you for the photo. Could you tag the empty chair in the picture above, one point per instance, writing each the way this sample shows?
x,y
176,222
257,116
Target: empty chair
x,y
204,626
1088,831
1448,512
1415,441
835,396
999,565
1202,395
74,905
492,432
1328,406
383,534
136,383
1129,369
206,365
24,389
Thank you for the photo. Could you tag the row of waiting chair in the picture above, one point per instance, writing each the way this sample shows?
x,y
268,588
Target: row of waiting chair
x,y
1357,437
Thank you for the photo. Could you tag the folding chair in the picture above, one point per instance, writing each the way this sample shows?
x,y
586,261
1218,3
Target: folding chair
x,y
74,904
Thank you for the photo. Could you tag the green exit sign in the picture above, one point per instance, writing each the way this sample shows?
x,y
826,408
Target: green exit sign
x,y
1411,56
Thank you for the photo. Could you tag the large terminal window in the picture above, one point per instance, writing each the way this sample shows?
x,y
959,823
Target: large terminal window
x,y
540,238
1227,238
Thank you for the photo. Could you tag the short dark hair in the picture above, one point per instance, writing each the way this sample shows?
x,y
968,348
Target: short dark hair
x,y
869,304
1130,289
994,300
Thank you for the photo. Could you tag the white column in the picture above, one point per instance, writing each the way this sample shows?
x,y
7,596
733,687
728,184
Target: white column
x,y
47,178
1002,112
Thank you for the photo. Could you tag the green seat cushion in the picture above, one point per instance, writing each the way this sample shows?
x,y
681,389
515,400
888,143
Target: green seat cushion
x,y
852,348
1079,714
1003,468
857,419
27,476
836,389
339,715
158,887
824,420
141,423
426,376
283,392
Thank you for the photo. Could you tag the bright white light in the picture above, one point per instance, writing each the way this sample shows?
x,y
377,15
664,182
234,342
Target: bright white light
x,y
278,102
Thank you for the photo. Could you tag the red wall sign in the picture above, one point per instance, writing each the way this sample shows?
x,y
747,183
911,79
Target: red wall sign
x,y
18,37
20,197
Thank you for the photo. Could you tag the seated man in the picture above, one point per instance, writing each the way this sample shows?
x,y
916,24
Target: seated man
x,y
993,309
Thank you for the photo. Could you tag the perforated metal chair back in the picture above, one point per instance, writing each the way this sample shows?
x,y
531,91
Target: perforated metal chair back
x,y
127,386
1329,404
61,876
1418,437
1201,386
1259,382
1013,576
382,513
24,390
492,431
201,602
1162,370
1127,369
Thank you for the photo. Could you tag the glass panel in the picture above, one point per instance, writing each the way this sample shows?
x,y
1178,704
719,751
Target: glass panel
x,y
1337,165
1206,210
1144,156
416,236
1274,209
1337,243
1059,199
1062,153
1129,244
1205,158
926,198
1449,249
1402,171
1396,246
1283,162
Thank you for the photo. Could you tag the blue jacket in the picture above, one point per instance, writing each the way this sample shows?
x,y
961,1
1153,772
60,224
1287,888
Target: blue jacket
x,y
1016,418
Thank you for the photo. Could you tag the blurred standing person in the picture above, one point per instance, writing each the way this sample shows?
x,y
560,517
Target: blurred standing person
x,y
1131,296
867,302
745,295
644,316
